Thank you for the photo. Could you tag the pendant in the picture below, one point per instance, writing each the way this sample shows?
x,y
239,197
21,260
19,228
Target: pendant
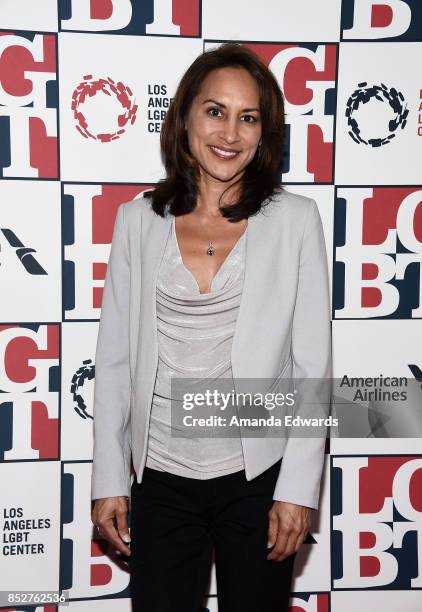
x,y
210,249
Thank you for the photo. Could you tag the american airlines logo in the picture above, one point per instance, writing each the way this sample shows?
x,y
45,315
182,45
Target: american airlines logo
x,y
26,255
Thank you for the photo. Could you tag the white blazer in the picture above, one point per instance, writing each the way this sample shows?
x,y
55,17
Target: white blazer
x,y
283,330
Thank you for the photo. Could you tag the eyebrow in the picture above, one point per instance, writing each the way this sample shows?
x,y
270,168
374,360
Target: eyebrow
x,y
245,110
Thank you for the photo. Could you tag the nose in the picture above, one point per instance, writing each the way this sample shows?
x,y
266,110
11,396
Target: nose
x,y
230,130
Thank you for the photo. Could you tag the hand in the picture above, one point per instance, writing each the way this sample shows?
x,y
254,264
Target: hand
x,y
109,515
288,525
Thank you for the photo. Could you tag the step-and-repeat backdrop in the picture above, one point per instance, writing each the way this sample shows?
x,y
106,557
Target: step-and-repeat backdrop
x,y
84,88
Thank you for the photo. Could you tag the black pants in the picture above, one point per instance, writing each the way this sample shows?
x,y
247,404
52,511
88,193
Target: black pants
x,y
178,524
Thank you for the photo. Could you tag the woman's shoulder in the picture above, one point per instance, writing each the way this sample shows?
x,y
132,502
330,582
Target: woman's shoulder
x,y
294,206
134,210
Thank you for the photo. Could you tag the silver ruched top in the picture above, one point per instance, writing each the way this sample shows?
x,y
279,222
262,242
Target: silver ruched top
x,y
195,333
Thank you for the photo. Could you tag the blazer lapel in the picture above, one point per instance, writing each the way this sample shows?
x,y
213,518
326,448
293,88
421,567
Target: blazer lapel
x,y
242,343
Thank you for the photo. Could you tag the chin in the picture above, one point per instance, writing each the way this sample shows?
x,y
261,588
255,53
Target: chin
x,y
228,175
226,178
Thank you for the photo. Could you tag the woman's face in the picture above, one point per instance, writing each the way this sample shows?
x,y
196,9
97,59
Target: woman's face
x,y
224,124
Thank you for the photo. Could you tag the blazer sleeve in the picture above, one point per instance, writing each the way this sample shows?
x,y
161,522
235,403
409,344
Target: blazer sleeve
x,y
303,459
112,388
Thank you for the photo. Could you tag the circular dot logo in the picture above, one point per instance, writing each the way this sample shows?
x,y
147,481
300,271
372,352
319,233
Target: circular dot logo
x,y
80,388
106,118
374,114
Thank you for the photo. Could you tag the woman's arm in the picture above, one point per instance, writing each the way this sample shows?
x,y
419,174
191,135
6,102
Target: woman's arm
x,y
303,459
111,451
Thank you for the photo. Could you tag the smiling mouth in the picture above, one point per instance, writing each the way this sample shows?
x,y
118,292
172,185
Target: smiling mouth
x,y
223,154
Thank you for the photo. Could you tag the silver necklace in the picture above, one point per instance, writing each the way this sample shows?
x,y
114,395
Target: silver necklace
x,y
210,248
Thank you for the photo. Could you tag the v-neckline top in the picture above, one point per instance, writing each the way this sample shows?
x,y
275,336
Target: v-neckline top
x,y
226,262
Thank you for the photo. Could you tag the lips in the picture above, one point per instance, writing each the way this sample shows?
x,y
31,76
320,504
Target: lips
x,y
225,154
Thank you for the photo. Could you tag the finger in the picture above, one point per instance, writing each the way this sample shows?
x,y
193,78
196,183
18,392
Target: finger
x,y
112,535
284,550
280,544
294,541
122,528
301,539
272,530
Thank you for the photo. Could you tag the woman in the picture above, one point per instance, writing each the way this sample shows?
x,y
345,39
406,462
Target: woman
x,y
216,272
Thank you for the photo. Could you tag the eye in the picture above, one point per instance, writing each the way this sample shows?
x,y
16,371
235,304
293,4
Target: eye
x,y
210,110
254,119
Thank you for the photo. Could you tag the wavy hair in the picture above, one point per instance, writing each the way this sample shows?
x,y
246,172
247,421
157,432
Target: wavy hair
x,y
177,193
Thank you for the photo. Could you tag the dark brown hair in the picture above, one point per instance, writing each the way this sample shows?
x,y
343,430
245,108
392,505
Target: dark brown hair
x,y
178,191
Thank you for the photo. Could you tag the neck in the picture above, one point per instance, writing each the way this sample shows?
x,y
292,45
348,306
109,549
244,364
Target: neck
x,y
209,193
